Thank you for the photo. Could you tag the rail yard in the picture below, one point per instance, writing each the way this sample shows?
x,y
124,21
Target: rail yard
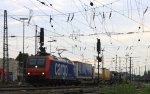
x,y
74,47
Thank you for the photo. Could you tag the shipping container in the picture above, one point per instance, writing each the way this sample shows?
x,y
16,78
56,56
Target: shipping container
x,y
106,75
61,70
83,70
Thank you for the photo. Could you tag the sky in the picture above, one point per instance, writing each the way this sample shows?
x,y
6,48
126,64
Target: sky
x,y
123,26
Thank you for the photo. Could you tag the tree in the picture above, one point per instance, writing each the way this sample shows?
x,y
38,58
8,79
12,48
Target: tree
x,y
22,57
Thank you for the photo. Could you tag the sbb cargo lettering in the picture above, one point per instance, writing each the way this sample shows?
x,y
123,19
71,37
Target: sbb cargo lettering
x,y
61,70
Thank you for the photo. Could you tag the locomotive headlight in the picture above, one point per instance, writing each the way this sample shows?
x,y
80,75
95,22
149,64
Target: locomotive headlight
x,y
43,73
28,73
36,66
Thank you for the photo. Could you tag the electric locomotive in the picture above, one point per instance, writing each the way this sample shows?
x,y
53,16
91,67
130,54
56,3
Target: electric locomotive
x,y
49,70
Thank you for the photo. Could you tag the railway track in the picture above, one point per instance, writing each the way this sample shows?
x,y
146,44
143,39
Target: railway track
x,y
57,88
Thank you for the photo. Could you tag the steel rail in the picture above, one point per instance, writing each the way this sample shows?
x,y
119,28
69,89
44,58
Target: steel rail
x,y
30,88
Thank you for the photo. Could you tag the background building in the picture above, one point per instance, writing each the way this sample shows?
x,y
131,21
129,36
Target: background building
x,y
13,69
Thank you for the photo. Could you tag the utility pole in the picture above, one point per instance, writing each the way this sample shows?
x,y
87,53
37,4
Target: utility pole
x,y
50,44
102,59
116,64
145,74
145,69
119,64
113,61
5,50
23,65
23,19
126,64
36,40
130,69
139,73
134,74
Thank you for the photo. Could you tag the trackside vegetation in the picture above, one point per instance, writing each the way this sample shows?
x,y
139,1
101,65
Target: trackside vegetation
x,y
130,88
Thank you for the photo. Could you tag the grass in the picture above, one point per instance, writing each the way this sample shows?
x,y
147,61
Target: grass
x,y
145,89
133,88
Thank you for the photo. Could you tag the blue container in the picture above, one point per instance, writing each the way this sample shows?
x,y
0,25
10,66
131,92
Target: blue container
x,y
61,70
83,69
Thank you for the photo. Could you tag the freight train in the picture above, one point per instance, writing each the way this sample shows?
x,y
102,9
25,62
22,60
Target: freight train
x,y
49,70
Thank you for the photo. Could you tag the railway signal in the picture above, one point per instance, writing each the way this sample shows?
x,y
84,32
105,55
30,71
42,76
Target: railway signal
x,y
98,46
42,36
98,57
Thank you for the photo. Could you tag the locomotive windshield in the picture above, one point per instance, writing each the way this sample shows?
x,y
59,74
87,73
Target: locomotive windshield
x,y
40,62
36,62
32,62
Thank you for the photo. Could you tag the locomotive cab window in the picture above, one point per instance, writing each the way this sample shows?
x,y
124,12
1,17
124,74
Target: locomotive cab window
x,y
36,63
40,62
32,62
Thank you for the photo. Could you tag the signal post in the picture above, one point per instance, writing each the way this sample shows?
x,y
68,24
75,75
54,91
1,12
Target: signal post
x,y
98,57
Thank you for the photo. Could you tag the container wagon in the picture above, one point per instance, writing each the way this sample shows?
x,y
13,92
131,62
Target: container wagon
x,y
83,72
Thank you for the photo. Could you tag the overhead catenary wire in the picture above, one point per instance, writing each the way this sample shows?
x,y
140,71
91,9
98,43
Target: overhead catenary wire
x,y
73,26
124,15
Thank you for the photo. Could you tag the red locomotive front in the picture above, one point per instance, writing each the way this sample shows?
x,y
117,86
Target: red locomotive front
x,y
37,68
